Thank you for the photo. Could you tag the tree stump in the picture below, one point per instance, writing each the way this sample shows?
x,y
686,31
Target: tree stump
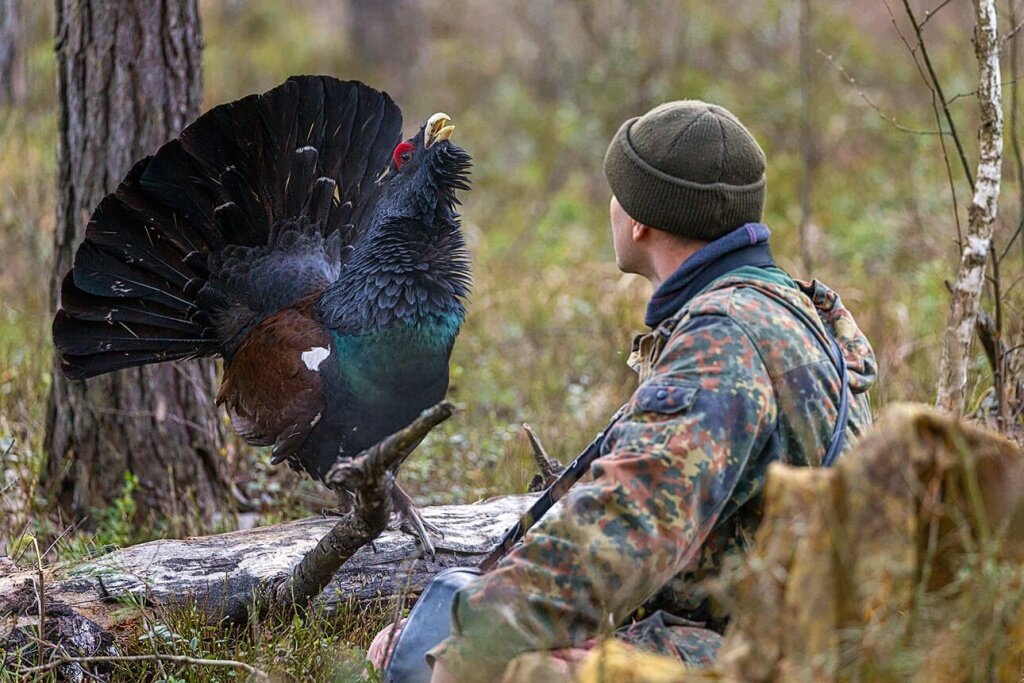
x,y
879,568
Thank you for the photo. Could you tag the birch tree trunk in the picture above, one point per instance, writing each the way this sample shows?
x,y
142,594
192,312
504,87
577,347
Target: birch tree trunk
x,y
128,80
981,215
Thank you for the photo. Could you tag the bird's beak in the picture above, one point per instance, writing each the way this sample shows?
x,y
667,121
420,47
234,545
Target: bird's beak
x,y
439,127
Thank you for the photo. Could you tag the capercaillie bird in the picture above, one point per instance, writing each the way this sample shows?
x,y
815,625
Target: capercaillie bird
x,y
295,235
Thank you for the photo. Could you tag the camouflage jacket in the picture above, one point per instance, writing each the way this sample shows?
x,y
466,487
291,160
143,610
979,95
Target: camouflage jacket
x,y
730,383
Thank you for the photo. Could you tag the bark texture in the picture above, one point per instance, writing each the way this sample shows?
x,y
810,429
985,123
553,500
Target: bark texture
x,y
128,78
981,214
223,574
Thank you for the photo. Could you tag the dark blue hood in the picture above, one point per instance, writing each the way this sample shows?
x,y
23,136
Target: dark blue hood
x,y
744,246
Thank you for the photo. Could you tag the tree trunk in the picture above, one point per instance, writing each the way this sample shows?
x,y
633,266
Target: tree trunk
x,y
128,79
13,83
981,213
388,36
808,139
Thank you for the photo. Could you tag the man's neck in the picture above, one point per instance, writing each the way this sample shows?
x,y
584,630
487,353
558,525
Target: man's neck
x,y
664,262
745,246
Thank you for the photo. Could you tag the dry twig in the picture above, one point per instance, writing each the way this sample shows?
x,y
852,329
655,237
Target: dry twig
x,y
936,87
121,659
550,469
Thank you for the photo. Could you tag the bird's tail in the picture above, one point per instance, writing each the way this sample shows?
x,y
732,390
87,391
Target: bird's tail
x,y
166,254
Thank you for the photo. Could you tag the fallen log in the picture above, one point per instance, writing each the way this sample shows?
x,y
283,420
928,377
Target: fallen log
x,y
222,573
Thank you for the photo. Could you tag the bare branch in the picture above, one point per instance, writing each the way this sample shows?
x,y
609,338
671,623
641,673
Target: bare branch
x,y
938,120
888,118
974,93
938,92
931,13
1013,238
119,659
1012,32
999,368
550,469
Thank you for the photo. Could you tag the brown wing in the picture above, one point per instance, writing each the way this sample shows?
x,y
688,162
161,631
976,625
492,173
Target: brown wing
x,y
272,387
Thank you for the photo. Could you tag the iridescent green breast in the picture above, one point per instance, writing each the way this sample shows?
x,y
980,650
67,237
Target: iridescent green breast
x,y
407,359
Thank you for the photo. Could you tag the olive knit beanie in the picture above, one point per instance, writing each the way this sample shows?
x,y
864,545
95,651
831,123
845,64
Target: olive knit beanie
x,y
689,168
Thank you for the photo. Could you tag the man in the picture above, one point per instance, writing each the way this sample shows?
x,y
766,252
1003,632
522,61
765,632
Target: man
x,y
735,374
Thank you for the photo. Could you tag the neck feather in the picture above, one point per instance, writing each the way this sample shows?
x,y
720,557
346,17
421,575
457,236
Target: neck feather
x,y
399,274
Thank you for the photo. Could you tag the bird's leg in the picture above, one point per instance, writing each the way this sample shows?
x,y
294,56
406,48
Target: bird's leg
x,y
346,503
411,521
409,518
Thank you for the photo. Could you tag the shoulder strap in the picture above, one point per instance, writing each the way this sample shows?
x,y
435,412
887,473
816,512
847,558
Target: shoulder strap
x,y
835,446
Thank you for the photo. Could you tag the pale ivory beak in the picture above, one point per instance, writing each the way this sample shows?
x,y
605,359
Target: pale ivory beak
x,y
439,127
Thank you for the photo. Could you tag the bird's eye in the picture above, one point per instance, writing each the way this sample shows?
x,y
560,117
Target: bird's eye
x,y
402,154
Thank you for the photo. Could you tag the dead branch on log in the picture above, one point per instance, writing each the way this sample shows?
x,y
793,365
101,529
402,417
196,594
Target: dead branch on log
x,y
277,568
369,476
549,468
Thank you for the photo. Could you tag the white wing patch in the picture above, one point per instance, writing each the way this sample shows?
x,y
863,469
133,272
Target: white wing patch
x,y
314,357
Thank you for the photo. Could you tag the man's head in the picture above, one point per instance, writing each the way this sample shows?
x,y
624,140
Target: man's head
x,y
688,169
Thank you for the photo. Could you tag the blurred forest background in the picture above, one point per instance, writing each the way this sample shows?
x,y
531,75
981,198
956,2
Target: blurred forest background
x,y
860,195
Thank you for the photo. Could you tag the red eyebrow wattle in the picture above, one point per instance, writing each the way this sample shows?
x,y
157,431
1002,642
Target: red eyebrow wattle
x,y
399,150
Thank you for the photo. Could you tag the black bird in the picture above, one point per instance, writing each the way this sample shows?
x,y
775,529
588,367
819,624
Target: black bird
x,y
297,236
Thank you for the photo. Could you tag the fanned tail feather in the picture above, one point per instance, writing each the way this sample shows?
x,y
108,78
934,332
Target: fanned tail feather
x,y
247,211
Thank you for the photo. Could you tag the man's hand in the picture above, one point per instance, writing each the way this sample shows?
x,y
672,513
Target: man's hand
x,y
558,663
383,645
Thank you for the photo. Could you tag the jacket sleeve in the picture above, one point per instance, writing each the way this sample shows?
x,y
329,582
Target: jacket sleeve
x,y
672,464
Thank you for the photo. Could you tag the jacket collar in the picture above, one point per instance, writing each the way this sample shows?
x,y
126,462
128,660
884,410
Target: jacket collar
x,y
744,246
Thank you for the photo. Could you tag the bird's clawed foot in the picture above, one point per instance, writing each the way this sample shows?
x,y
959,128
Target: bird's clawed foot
x,y
346,503
409,520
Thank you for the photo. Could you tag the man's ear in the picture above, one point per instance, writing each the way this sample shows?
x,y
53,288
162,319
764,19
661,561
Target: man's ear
x,y
638,230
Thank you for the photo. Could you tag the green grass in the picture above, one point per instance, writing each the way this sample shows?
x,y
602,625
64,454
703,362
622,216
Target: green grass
x,y
318,646
550,318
